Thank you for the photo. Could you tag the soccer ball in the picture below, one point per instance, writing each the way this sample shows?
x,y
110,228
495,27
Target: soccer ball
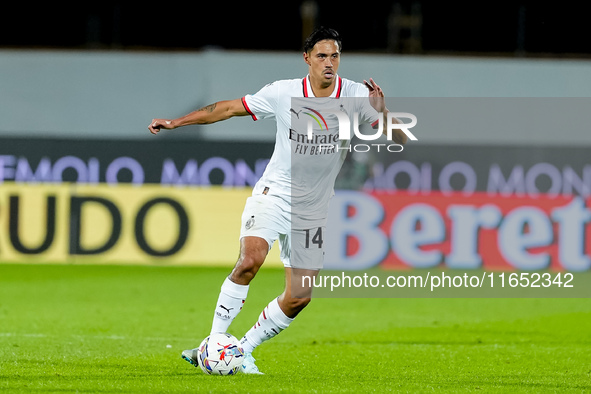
x,y
220,354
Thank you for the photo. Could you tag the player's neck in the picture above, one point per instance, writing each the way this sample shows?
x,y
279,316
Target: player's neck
x,y
321,89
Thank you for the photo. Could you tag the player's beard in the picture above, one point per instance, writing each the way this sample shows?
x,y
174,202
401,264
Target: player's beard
x,y
327,81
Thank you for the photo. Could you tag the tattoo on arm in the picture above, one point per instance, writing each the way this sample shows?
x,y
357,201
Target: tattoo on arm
x,y
208,108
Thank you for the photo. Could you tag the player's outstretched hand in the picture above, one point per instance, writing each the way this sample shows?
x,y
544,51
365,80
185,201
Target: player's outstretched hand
x,y
376,95
158,124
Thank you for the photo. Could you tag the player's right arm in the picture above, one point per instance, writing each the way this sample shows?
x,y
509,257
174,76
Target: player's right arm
x,y
211,113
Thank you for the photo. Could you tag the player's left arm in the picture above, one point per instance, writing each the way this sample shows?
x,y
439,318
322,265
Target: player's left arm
x,y
377,101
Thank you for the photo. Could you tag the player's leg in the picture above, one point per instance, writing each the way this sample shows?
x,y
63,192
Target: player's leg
x,y
301,262
298,290
279,313
253,251
257,234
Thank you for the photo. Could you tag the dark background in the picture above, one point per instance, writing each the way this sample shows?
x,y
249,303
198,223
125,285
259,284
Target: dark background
x,y
517,28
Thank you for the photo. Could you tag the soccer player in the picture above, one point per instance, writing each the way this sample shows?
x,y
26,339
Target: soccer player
x,y
292,174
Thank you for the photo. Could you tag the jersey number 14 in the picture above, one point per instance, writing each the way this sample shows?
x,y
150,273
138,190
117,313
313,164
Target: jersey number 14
x,y
316,238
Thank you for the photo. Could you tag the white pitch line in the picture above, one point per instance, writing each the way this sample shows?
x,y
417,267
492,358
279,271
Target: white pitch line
x,y
112,337
13,334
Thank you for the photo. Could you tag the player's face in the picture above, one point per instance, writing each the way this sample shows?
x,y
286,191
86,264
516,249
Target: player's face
x,y
324,60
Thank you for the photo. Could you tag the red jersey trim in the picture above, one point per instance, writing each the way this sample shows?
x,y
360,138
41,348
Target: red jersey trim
x,y
305,86
248,109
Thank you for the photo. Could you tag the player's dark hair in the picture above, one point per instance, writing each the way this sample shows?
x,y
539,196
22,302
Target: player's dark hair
x,y
319,34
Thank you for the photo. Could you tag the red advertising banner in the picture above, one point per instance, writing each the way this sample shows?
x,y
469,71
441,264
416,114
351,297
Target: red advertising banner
x,y
423,230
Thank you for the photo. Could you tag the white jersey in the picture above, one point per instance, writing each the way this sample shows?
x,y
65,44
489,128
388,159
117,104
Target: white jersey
x,y
302,171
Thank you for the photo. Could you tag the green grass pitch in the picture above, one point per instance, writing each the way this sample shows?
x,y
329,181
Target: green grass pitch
x,y
121,329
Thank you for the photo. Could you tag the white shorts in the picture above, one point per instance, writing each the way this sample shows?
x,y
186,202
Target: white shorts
x,y
267,218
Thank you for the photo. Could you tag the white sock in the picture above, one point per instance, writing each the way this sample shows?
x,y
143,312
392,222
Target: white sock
x,y
230,301
271,322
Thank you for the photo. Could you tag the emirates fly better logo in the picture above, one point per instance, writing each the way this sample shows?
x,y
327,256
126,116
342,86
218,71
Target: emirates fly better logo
x,y
345,128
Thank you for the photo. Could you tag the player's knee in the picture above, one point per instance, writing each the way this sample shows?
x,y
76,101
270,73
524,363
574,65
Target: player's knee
x,y
246,268
296,305
303,302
